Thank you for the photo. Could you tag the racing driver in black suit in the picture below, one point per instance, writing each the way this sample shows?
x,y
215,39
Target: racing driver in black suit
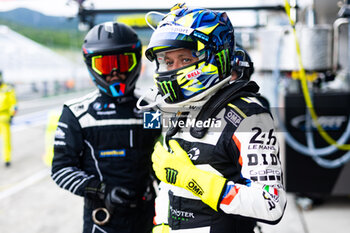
x,y
101,150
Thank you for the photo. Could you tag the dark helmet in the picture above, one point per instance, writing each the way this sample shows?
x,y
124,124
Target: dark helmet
x,y
110,47
242,63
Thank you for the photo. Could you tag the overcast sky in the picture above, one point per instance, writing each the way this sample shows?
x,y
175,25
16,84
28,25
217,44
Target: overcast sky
x,y
48,7
70,8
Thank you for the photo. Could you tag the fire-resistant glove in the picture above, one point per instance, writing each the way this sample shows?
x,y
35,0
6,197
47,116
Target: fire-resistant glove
x,y
162,228
177,169
120,199
117,197
95,189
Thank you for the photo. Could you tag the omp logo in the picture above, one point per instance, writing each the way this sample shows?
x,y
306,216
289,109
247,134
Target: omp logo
x,y
194,187
171,175
233,117
193,74
327,122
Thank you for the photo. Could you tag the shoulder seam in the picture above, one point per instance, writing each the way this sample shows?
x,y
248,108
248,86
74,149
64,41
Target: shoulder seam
x,y
239,111
89,97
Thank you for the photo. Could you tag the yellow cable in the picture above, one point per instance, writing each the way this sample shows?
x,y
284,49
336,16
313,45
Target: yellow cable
x,y
305,89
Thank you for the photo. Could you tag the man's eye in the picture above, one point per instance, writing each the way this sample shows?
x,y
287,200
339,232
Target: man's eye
x,y
187,60
169,63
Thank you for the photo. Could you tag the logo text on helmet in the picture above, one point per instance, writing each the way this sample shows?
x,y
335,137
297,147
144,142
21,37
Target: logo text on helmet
x,y
176,29
201,35
193,74
109,27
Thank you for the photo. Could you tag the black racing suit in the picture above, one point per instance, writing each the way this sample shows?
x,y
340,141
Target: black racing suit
x,y
240,145
98,139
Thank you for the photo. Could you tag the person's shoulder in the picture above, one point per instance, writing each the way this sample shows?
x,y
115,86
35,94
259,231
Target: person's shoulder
x,y
8,87
81,104
243,107
249,105
88,98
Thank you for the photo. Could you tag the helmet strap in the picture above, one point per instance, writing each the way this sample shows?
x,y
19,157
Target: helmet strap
x,y
152,102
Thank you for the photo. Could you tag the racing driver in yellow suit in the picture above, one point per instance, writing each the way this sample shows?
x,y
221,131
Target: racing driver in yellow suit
x,y
7,111
220,164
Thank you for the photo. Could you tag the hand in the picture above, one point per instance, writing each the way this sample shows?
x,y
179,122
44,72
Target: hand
x,y
167,165
95,190
177,169
120,198
162,228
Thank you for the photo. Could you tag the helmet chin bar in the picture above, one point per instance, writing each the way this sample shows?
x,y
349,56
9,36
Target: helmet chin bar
x,y
195,102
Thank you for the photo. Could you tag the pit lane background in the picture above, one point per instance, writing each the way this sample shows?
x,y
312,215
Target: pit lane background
x,y
29,200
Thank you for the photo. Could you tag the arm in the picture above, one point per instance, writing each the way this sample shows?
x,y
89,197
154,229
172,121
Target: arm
x,y
13,102
264,201
261,196
177,169
68,146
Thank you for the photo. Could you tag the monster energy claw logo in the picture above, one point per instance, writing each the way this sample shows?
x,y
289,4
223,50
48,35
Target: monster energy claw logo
x,y
171,175
166,86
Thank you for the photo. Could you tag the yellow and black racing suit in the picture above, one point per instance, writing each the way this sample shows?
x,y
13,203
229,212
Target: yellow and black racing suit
x,y
7,111
240,145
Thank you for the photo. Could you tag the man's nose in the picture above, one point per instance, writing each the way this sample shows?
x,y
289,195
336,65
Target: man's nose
x,y
115,74
177,65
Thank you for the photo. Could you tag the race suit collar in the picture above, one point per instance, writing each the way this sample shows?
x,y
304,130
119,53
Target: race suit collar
x,y
217,102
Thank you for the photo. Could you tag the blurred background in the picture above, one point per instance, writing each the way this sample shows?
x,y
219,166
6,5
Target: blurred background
x,y
305,78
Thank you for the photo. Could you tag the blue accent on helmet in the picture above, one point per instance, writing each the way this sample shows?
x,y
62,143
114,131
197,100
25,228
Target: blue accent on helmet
x,y
114,91
91,75
101,88
205,32
100,41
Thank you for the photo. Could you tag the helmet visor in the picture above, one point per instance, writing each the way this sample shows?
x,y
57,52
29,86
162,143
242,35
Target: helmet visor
x,y
185,58
170,36
105,64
